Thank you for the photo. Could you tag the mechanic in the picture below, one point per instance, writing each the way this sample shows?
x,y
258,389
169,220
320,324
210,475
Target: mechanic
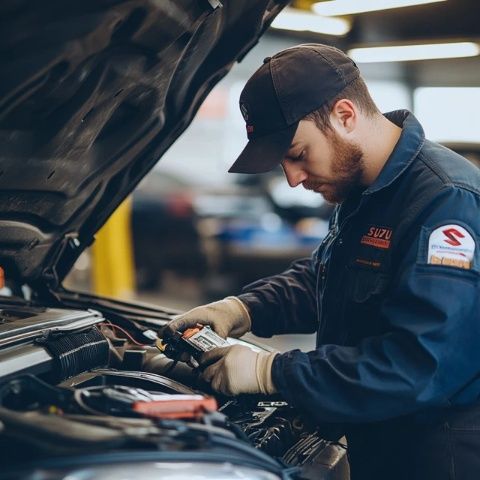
x,y
393,289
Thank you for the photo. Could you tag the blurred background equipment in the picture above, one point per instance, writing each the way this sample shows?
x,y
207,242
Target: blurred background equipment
x,y
164,230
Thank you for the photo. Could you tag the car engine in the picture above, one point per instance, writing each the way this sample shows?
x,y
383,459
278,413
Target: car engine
x,y
85,393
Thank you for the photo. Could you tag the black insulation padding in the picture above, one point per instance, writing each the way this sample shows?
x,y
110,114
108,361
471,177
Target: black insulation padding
x,y
77,352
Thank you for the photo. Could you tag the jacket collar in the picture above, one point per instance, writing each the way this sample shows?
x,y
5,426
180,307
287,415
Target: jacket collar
x,y
409,144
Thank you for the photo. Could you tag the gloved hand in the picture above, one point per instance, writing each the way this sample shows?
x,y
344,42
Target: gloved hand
x,y
227,317
238,369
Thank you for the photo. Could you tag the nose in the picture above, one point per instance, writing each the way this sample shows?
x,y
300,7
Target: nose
x,y
293,173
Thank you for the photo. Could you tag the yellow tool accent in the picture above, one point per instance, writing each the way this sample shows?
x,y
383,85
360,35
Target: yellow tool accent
x,y
160,345
303,4
113,272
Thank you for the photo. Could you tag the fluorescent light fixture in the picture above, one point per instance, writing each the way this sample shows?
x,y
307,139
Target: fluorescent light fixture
x,y
294,20
347,7
406,53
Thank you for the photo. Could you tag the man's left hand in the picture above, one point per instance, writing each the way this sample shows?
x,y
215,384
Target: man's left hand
x,y
238,369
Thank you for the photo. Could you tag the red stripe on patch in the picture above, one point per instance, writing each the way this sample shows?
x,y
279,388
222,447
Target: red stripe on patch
x,y
375,242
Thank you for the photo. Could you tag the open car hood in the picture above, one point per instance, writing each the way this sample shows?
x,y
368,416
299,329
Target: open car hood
x,y
92,93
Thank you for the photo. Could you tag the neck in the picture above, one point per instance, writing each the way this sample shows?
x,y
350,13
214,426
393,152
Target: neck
x,y
381,136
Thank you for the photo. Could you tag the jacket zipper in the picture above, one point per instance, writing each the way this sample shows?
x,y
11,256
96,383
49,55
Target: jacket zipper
x,y
324,268
321,279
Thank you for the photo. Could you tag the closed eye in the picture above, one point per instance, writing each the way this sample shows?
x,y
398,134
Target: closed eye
x,y
299,157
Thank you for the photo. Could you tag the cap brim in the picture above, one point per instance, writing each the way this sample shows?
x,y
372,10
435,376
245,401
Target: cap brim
x,y
264,153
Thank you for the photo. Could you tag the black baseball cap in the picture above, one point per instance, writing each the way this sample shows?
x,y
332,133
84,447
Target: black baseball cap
x,y
286,88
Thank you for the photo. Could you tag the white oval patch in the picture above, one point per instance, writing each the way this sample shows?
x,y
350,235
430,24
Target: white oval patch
x,y
451,245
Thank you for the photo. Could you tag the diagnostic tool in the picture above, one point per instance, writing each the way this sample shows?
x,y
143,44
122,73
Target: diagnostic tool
x,y
193,341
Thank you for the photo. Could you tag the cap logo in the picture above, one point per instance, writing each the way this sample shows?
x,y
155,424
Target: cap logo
x,y
244,110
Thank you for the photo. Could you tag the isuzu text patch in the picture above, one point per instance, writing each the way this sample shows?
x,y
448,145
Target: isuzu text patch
x,y
451,245
379,237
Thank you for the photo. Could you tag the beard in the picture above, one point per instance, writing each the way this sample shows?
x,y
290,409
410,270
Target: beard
x,y
347,172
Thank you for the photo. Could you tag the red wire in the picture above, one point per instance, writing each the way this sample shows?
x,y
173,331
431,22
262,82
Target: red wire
x,y
108,324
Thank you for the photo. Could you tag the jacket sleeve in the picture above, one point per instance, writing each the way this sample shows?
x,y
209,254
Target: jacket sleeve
x,y
430,356
284,303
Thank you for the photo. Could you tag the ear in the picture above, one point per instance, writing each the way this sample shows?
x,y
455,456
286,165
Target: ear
x,y
344,116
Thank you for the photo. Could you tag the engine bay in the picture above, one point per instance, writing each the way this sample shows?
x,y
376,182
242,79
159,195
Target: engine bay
x,y
83,387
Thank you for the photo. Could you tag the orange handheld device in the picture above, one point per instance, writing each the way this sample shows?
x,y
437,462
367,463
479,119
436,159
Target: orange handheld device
x,y
194,341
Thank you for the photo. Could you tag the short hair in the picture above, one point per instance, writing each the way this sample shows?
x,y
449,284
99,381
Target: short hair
x,y
355,91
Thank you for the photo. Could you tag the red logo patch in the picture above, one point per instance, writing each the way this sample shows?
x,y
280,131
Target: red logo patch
x,y
451,233
249,128
379,237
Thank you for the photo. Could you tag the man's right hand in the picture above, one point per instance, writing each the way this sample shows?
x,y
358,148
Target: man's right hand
x,y
228,318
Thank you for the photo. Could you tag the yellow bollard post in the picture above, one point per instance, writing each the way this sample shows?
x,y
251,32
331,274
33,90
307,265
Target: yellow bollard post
x,y
113,273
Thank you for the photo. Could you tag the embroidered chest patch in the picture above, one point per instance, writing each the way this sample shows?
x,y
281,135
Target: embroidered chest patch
x,y
374,249
378,237
451,245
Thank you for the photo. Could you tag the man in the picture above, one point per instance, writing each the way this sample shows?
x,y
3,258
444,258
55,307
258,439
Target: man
x,y
392,291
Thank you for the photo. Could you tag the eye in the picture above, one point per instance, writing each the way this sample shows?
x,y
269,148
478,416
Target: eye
x,y
293,156
299,157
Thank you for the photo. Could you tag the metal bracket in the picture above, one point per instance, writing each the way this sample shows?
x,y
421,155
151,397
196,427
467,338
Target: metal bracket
x,y
215,4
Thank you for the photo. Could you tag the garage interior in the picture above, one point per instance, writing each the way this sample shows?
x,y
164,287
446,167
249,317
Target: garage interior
x,y
103,96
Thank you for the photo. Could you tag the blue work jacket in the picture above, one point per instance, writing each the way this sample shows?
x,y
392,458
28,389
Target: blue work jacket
x,y
392,292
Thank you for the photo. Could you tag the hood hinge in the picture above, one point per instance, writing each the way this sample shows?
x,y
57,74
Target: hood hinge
x,y
50,276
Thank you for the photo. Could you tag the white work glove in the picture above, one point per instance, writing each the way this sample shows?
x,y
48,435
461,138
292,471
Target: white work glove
x,y
238,369
228,318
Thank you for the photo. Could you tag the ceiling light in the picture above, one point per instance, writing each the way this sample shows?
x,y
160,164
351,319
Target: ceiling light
x,y
414,52
294,20
347,7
